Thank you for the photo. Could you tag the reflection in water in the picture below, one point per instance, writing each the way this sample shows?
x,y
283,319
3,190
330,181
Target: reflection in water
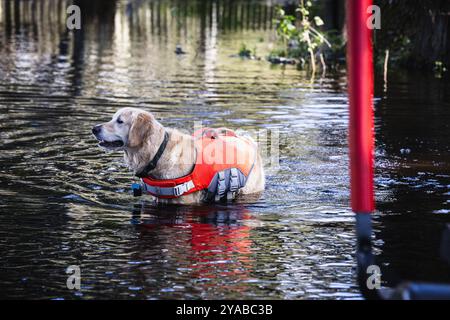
x,y
64,201
209,245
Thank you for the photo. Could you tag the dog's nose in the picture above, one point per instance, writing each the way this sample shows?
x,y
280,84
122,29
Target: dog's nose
x,y
96,129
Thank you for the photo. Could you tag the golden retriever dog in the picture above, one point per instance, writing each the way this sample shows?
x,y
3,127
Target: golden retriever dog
x,y
139,135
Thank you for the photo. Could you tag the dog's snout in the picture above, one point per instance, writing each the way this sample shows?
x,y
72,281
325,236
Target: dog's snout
x,y
96,130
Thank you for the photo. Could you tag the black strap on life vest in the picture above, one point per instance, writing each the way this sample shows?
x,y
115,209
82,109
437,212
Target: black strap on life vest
x,y
152,164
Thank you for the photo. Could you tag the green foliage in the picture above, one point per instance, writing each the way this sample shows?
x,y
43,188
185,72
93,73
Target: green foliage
x,y
279,52
245,52
301,36
285,26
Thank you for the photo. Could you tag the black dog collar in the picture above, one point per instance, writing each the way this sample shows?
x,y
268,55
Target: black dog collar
x,y
152,164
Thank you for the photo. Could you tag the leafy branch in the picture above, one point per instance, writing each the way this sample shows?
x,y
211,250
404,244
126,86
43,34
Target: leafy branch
x,y
302,37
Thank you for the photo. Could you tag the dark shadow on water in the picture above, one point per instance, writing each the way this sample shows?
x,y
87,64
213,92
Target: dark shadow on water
x,y
413,175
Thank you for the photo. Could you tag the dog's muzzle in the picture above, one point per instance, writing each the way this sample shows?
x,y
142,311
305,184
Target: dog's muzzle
x,y
104,143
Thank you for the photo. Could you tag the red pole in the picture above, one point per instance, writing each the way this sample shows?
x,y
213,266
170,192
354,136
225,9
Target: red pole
x,y
360,88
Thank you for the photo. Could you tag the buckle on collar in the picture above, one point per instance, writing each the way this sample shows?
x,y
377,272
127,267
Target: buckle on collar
x,y
182,188
178,190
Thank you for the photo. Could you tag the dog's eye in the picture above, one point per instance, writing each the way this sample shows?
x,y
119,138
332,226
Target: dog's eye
x,y
119,121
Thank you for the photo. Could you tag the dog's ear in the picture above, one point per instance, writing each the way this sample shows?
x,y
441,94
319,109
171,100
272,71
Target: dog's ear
x,y
140,130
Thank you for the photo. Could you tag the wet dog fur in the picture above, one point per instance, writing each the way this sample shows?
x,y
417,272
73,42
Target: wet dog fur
x,y
139,135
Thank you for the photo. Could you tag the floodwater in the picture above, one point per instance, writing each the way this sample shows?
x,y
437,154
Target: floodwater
x,y
64,201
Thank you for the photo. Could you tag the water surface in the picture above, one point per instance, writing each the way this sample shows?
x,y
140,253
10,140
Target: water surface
x,y
65,202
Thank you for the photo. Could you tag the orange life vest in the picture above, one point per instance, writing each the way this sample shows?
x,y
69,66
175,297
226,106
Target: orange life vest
x,y
223,163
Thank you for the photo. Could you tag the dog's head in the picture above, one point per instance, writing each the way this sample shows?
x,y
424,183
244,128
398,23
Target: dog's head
x,y
129,128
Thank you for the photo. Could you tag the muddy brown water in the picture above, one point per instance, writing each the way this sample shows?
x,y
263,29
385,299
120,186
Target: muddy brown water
x,y
64,201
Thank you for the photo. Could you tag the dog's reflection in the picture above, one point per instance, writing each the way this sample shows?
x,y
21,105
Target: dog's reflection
x,y
208,243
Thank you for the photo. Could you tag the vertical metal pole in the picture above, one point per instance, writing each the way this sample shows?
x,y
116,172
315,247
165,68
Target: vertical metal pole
x,y
361,135
360,87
